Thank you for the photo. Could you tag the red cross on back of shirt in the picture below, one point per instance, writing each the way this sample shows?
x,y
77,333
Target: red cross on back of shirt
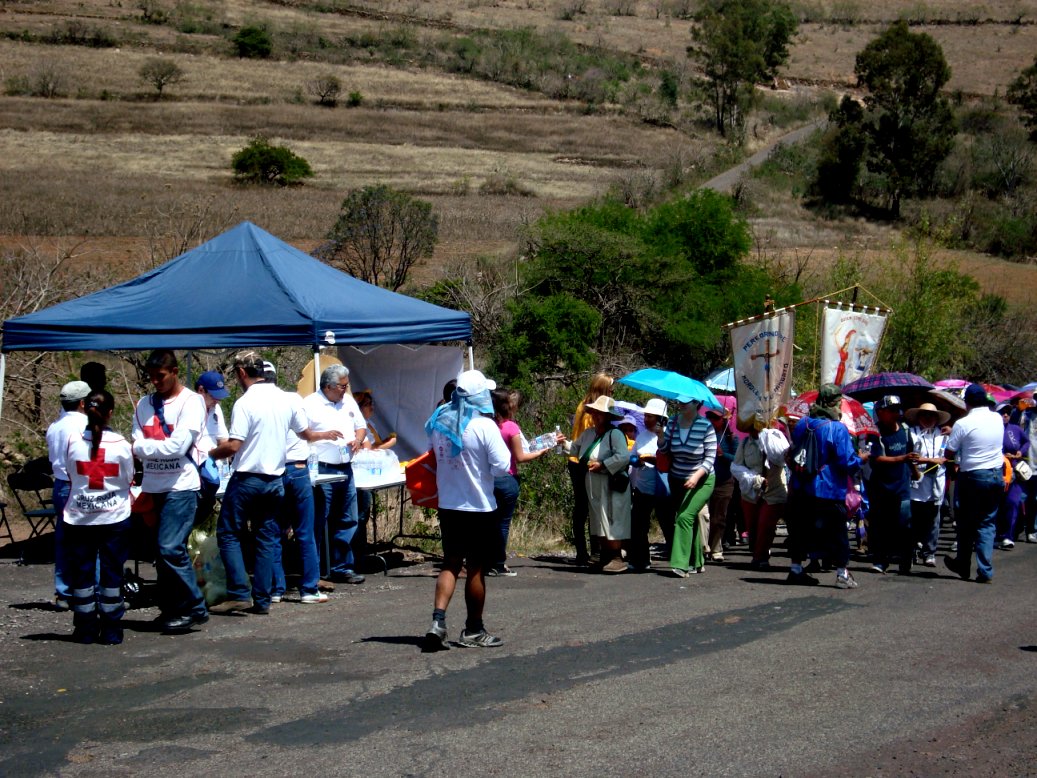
x,y
97,469
153,429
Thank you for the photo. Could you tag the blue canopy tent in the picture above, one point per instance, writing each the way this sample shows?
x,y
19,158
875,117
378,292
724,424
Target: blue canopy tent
x,y
242,288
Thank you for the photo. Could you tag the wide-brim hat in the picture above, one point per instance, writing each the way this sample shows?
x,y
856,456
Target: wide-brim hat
x,y
911,415
606,405
655,407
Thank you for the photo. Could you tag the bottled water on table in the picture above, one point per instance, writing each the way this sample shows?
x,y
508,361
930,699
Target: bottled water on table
x,y
312,464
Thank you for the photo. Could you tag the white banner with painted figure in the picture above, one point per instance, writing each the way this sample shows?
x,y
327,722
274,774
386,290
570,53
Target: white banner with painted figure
x,y
762,349
850,338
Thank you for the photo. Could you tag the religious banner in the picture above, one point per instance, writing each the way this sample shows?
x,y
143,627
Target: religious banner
x,y
762,349
850,338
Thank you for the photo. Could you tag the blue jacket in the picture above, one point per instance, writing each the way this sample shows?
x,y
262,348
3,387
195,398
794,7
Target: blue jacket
x,y
838,457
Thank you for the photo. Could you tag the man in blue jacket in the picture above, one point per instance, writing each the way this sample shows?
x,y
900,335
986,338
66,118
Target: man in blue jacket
x,y
817,491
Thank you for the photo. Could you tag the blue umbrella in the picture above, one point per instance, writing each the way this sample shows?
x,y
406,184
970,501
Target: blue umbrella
x,y
722,380
672,386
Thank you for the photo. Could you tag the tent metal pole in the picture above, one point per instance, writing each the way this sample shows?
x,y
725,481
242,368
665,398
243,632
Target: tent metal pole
x,y
3,379
471,357
316,368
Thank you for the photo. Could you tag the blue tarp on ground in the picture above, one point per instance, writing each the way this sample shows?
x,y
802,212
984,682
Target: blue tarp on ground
x,y
242,288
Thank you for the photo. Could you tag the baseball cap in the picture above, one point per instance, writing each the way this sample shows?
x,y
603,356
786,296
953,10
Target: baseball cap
x,y
270,372
890,401
75,390
472,382
975,395
212,383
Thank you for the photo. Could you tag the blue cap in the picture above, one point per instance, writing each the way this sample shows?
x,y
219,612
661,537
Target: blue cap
x,y
212,383
976,395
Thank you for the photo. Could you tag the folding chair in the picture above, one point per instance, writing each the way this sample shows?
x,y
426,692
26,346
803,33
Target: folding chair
x,y
28,488
5,525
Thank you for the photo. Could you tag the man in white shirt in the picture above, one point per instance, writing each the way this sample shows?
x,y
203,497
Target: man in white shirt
x,y
333,408
166,427
470,453
977,439
71,421
259,425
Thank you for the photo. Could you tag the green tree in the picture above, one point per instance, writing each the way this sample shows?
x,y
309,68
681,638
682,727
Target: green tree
x,y
261,163
1022,93
739,43
379,234
909,125
546,336
253,42
841,155
160,73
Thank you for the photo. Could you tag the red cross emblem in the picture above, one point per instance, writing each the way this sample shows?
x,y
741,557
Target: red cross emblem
x,y
153,429
97,469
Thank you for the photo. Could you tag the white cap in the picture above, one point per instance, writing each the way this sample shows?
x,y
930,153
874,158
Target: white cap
x,y
472,382
75,390
656,407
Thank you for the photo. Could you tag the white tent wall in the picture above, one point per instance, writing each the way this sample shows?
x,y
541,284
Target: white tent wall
x,y
407,383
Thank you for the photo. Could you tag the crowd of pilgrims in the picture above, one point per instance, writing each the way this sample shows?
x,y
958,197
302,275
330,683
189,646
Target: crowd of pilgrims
x,y
679,465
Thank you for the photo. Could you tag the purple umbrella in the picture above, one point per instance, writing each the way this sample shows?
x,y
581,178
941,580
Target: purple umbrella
x,y
872,387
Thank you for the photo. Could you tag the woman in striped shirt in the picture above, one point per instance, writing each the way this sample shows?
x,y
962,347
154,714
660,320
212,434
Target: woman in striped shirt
x,y
692,445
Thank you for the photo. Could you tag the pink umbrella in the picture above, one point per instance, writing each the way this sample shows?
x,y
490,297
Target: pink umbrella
x,y
952,383
854,416
730,404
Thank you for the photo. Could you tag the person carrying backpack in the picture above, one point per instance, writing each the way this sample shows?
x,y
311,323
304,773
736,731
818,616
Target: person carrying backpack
x,y
821,459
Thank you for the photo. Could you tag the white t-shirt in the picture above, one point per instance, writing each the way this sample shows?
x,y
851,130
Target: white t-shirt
x,y
642,475
977,440
298,450
68,423
465,482
261,419
213,432
169,462
100,488
929,444
344,416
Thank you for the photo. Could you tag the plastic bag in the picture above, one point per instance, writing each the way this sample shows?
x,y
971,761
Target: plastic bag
x,y
208,566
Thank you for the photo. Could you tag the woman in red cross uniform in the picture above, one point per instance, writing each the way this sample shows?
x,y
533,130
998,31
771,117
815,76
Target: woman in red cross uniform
x,y
97,523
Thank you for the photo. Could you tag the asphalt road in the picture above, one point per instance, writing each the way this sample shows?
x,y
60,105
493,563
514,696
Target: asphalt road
x,y
727,673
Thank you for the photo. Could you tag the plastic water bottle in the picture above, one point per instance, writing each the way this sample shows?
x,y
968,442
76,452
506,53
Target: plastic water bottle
x,y
558,447
313,466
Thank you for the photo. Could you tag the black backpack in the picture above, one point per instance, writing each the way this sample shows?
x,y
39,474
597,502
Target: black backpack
x,y
805,457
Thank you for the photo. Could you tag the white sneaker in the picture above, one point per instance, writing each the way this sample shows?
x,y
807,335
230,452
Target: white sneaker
x,y
313,599
1032,537
845,582
1007,543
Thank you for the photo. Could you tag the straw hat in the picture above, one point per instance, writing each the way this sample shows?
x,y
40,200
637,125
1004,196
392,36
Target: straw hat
x,y
911,417
606,405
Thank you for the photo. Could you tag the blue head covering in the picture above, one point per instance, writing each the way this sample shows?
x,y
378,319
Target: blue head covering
x,y
471,398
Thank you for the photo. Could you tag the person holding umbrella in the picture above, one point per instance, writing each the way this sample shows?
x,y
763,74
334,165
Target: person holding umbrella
x,y
1015,447
690,445
893,466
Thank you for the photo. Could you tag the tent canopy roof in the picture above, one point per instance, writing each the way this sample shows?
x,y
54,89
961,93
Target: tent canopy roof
x,y
242,288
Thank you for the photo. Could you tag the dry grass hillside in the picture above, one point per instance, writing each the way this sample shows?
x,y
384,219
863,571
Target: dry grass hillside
x,y
103,161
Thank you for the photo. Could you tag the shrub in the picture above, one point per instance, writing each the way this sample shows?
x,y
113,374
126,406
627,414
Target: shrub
x,y
261,163
253,42
160,73
355,99
326,88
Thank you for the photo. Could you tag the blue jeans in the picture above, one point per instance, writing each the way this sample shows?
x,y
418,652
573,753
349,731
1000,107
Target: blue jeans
x,y
336,509
506,493
297,513
60,496
178,590
979,497
255,498
85,544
